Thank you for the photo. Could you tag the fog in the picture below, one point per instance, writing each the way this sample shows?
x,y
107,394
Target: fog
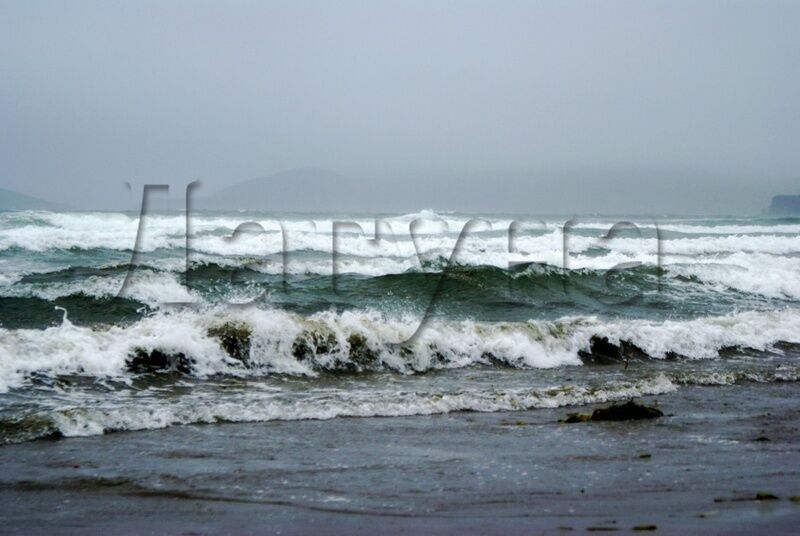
x,y
680,107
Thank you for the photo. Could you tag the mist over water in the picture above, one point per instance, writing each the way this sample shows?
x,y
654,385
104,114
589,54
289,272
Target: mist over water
x,y
544,107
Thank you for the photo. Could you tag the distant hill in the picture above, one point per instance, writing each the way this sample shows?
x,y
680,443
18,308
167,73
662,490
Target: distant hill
x,y
320,190
571,191
305,189
11,200
785,205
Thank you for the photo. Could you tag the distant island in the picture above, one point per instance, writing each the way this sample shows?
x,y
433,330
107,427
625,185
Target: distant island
x,y
11,200
785,205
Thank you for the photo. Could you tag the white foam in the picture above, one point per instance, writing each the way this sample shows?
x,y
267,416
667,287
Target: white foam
x,y
145,286
702,338
759,258
328,404
442,344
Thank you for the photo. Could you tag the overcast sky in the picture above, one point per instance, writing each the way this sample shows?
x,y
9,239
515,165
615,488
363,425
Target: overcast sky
x,y
669,106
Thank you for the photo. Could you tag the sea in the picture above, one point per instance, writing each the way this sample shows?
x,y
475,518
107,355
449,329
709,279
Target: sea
x,y
119,322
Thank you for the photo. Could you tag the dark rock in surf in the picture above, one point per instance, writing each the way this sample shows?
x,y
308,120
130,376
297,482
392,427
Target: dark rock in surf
x,y
572,418
601,351
360,352
143,361
301,350
235,339
629,411
604,352
766,496
311,343
761,496
494,360
353,355
632,352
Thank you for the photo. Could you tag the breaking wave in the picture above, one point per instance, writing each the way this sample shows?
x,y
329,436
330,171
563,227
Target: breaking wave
x,y
90,344
277,342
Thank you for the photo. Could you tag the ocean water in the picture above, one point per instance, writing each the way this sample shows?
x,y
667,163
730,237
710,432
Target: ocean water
x,y
360,315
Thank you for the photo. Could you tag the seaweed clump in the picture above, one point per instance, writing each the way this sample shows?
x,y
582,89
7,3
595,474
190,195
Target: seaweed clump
x,y
144,361
629,411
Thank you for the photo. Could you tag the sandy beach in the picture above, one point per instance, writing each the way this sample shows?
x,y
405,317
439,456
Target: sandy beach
x,y
698,468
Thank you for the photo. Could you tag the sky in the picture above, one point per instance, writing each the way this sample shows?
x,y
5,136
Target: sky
x,y
680,107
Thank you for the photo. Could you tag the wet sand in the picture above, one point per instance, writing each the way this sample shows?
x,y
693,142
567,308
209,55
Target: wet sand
x,y
699,468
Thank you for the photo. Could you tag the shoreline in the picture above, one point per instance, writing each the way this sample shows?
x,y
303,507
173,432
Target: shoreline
x,y
699,467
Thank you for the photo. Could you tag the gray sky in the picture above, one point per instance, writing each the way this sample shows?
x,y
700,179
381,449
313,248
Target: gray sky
x,y
668,106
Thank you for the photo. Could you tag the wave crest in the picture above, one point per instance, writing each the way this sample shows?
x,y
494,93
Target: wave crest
x,y
285,343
